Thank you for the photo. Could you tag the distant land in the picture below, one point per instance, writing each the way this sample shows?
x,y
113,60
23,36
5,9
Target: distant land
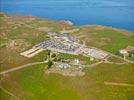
x,y
114,13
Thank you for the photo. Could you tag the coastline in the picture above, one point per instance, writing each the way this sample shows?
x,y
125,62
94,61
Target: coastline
x,y
70,22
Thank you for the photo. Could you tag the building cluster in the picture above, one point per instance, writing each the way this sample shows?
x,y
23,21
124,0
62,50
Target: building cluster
x,y
57,46
62,65
98,54
65,43
129,50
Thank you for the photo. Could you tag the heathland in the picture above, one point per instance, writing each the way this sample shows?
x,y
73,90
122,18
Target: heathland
x,y
19,33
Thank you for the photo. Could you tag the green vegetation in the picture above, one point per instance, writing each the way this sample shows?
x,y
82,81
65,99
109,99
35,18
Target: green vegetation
x,y
116,60
48,52
4,96
108,39
49,65
36,85
28,34
53,55
18,34
84,60
130,58
10,59
52,25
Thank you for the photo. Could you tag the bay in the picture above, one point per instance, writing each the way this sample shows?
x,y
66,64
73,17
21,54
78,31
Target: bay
x,y
115,13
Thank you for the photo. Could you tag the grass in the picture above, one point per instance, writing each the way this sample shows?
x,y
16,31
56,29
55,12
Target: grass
x,y
117,43
28,34
40,86
55,25
107,39
23,38
32,83
113,72
115,59
131,58
10,59
37,85
85,60
4,96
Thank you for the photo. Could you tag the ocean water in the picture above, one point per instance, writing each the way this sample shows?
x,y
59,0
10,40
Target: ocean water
x,y
115,13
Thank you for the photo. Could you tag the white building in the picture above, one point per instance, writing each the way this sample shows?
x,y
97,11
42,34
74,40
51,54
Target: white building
x,y
64,66
91,59
124,52
127,51
77,61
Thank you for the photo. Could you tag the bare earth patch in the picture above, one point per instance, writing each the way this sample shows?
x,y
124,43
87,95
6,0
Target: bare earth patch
x,y
65,72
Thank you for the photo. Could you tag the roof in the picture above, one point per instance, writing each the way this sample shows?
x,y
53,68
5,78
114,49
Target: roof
x,y
123,51
129,49
64,65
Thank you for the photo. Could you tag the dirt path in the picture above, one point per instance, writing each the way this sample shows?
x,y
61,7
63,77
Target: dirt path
x,y
118,84
95,64
109,62
21,67
9,93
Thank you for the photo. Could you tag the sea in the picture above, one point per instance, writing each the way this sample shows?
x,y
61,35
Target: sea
x,y
114,13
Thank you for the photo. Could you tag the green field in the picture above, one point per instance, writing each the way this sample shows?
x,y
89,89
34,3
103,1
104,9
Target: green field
x,y
105,38
33,84
115,60
82,59
18,34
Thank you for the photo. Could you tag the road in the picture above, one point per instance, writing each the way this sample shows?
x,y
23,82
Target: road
x,y
9,93
21,67
35,63
111,54
95,64
118,84
129,61
109,62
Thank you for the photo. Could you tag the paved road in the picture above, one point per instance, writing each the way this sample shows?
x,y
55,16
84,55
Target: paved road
x,y
21,67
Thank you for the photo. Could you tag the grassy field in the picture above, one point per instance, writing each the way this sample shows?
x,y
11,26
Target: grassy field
x,y
33,84
18,33
105,38
83,60
10,59
115,60
4,96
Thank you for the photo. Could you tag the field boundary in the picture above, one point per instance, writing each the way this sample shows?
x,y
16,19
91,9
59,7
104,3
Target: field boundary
x,y
9,93
21,67
118,84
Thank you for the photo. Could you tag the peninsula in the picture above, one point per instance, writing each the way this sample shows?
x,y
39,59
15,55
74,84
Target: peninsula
x,y
55,60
